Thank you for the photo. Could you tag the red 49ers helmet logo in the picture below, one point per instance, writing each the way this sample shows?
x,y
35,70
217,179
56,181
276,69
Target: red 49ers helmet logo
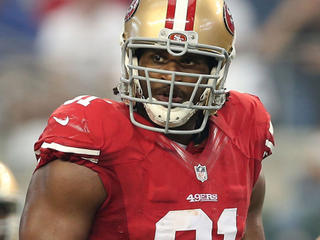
x,y
132,9
228,20
178,37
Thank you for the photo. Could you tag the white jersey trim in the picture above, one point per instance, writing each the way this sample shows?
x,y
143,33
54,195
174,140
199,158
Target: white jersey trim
x,y
91,159
271,128
66,149
269,144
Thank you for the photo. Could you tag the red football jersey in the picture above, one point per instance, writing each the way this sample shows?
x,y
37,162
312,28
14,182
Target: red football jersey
x,y
156,189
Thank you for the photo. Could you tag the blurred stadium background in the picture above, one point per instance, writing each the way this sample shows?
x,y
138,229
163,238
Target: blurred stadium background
x,y
54,50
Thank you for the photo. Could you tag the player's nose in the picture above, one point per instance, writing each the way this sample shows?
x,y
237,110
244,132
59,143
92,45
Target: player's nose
x,y
174,67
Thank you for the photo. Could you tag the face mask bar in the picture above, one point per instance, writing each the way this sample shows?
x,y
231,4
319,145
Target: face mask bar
x,y
211,99
172,83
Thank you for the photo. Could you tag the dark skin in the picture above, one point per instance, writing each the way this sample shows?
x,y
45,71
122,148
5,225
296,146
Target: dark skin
x,y
57,208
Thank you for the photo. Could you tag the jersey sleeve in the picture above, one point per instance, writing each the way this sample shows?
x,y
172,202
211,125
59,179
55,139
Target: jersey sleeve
x,y
261,140
70,134
83,130
249,126
86,131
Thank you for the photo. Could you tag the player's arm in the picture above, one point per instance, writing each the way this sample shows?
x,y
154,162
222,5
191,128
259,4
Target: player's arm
x,y
254,225
61,203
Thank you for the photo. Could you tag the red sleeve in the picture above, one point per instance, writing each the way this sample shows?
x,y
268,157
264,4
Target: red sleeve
x,y
261,139
248,124
84,130
71,133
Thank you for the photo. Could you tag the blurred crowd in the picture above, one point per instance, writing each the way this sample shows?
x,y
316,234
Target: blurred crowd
x,y
54,50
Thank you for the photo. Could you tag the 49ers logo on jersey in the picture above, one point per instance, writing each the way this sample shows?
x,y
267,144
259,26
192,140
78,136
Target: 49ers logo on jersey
x,y
203,197
132,9
228,20
178,37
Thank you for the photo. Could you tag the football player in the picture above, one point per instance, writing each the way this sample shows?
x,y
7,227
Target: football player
x,y
179,158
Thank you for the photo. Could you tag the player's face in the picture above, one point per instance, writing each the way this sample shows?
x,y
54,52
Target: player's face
x,y
161,59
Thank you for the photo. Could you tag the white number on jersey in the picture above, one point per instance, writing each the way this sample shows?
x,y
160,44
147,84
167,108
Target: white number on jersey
x,y
227,224
196,219
83,100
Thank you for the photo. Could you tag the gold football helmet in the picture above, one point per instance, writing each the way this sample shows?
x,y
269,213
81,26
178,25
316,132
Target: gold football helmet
x,y
8,204
203,27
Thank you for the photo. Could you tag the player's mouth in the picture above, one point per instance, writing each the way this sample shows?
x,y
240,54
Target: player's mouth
x,y
165,98
162,94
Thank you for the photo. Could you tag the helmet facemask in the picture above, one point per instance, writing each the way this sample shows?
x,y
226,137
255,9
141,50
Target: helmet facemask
x,y
169,114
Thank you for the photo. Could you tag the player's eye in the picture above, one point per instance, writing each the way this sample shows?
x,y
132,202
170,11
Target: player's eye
x,y
188,61
158,58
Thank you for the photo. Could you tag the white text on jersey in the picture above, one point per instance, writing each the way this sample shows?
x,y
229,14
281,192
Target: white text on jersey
x,y
202,197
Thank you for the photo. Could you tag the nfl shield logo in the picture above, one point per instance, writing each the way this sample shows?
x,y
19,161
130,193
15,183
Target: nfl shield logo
x,y
201,173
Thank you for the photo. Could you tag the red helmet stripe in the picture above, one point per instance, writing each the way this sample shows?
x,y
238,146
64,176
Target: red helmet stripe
x,y
190,15
170,13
